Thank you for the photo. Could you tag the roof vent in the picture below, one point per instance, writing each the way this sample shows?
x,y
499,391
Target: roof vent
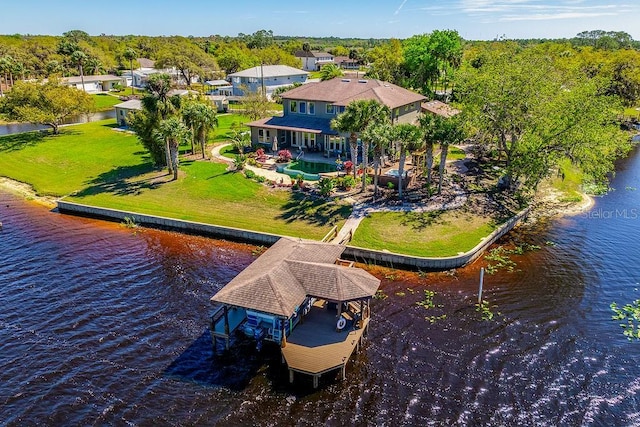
x,y
346,80
362,81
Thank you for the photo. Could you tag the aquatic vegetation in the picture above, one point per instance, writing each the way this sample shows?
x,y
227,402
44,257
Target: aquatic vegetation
x,y
630,315
486,311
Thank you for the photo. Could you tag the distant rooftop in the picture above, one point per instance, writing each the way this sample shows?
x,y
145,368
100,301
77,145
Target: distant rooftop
x,y
440,108
270,71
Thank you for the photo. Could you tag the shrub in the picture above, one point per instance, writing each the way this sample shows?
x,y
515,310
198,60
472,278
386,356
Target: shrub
x,y
239,162
348,181
325,186
260,156
284,156
348,166
390,185
260,178
249,174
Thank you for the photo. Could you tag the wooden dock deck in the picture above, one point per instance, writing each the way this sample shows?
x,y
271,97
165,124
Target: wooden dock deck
x,y
315,347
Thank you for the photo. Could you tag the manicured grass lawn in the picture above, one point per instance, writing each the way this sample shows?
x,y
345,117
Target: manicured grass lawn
x,y
57,165
632,112
104,102
103,167
431,234
226,122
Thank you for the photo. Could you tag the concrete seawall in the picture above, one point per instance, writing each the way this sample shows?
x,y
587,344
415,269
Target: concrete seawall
x,y
425,263
230,233
367,256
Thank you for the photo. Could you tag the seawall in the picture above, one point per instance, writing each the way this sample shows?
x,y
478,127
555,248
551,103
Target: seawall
x,y
367,256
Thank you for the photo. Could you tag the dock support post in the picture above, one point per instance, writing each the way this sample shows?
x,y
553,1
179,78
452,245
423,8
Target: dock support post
x,y
315,381
344,372
290,376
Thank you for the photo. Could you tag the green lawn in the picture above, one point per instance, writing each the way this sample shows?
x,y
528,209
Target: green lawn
x,y
104,102
431,234
225,124
103,167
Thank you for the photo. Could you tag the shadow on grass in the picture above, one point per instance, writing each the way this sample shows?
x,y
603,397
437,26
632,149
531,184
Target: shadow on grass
x,y
420,220
302,207
21,141
119,183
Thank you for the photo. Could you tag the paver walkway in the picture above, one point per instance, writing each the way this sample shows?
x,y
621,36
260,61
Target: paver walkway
x,y
270,174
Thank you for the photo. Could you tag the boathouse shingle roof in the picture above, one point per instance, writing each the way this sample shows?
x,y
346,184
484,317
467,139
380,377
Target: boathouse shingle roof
x,y
292,269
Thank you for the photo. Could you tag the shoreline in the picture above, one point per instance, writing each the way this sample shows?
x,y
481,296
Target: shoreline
x,y
27,192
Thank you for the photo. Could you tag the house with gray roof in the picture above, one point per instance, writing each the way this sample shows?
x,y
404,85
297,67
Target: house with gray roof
x,y
308,110
267,77
92,84
313,60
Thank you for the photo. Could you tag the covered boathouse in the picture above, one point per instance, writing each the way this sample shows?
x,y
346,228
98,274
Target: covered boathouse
x,y
302,296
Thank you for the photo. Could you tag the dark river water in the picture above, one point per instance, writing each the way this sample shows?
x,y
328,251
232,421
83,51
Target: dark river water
x,y
12,128
105,325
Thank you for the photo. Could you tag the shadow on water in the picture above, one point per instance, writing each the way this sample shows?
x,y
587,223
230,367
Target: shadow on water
x,y
242,367
302,207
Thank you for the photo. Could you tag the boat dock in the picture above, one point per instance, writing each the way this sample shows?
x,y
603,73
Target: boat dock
x,y
315,347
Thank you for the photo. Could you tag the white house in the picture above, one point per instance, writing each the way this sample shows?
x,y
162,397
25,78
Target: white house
x,y
269,77
103,83
125,108
313,60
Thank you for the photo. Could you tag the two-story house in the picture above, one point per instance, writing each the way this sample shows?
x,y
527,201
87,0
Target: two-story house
x,y
313,60
267,77
309,109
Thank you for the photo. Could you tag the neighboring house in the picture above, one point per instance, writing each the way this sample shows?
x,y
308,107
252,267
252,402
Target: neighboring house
x,y
124,108
308,110
140,76
313,60
220,101
439,108
218,87
270,77
346,63
103,83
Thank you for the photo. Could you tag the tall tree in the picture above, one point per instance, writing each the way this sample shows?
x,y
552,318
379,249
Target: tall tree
x,y
354,120
379,135
172,132
535,115
48,103
406,137
130,54
200,117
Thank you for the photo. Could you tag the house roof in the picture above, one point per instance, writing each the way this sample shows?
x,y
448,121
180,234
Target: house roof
x,y
440,108
270,71
341,92
146,63
132,104
217,83
312,54
92,79
297,123
292,269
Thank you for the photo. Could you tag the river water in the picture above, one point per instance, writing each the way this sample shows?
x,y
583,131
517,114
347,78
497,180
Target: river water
x,y
106,325
11,128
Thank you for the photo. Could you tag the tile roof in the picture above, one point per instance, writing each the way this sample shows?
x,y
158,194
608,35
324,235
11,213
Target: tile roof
x,y
440,108
292,269
270,71
341,92
296,122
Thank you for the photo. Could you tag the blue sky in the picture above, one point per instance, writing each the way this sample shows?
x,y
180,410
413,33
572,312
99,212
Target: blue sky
x,y
473,19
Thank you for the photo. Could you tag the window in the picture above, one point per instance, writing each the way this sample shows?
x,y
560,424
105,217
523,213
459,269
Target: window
x,y
312,108
236,79
341,109
303,108
331,109
253,80
293,106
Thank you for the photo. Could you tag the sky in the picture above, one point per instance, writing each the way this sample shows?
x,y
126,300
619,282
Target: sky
x,y
473,19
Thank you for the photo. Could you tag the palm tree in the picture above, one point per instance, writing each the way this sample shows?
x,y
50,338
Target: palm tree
x,y
452,131
429,123
330,71
173,132
201,118
6,67
78,57
379,134
129,54
407,138
355,119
